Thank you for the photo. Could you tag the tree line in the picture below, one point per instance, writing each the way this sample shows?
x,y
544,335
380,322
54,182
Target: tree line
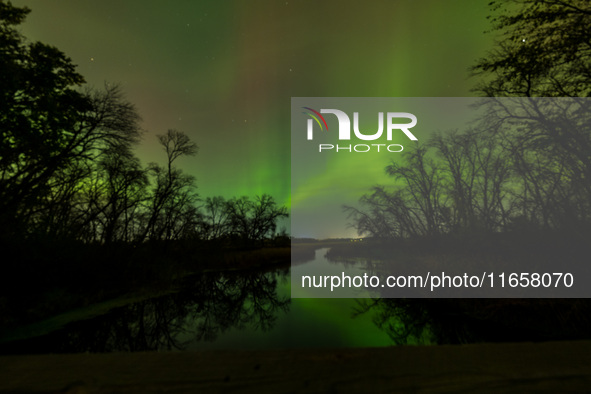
x,y
68,168
526,164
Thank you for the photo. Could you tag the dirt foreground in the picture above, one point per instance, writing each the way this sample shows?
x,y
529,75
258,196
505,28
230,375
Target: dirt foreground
x,y
523,367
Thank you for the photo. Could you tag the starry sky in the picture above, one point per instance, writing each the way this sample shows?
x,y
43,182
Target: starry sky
x,y
224,72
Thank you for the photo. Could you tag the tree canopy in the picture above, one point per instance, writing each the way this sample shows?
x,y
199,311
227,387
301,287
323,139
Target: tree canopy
x,y
67,164
544,50
523,165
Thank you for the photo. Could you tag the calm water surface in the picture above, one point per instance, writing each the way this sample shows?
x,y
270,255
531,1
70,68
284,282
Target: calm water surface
x,y
252,310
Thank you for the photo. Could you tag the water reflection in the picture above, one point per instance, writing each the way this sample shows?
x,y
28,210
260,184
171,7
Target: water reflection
x,y
253,310
460,321
408,318
209,305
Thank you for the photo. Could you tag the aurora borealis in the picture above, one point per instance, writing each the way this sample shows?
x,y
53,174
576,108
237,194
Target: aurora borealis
x,y
225,72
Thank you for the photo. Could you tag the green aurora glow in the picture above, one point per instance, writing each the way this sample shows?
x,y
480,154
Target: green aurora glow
x,y
224,72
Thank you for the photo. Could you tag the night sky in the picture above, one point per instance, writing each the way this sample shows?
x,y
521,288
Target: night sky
x,y
224,72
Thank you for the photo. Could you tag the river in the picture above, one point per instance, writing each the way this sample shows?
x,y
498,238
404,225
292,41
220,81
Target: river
x,y
239,310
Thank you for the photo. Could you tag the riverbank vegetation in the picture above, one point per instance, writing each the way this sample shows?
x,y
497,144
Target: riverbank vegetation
x,y
511,190
81,218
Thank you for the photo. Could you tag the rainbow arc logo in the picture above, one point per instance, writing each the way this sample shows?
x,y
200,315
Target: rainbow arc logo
x,y
316,115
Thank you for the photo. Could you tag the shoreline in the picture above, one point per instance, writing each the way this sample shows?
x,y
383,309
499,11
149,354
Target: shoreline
x,y
269,258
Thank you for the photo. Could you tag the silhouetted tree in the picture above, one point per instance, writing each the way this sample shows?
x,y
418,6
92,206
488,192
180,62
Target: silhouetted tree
x,y
37,104
253,221
422,180
544,50
215,222
171,210
476,176
384,213
124,186
51,131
